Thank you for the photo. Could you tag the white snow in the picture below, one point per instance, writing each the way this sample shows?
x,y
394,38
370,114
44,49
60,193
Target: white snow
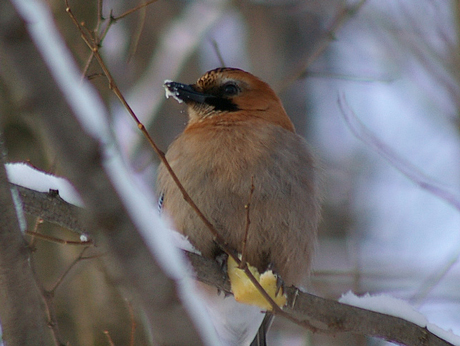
x,y
446,335
182,242
388,305
179,240
169,93
25,175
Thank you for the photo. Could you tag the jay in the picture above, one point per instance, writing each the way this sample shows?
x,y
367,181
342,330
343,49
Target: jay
x,y
240,143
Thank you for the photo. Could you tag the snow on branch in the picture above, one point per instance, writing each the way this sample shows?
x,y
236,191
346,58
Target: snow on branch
x,y
382,316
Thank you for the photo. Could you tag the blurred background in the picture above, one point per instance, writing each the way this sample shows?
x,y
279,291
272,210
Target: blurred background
x,y
392,64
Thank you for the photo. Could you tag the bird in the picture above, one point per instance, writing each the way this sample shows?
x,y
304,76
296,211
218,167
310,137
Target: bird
x,y
240,147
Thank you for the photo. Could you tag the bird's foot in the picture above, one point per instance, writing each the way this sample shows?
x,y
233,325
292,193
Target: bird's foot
x,y
246,292
279,280
222,262
221,259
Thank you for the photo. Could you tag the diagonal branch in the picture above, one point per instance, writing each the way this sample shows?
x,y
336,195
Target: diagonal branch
x,y
398,162
330,316
340,19
52,208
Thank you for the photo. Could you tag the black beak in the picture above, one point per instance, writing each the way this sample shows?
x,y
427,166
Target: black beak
x,y
184,92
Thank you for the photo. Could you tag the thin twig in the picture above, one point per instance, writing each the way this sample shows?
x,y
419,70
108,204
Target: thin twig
x,y
100,15
137,34
50,310
36,235
99,38
87,65
48,295
218,52
102,36
52,318
127,13
38,222
434,279
67,271
100,19
78,25
133,323
248,222
398,162
109,338
341,18
95,75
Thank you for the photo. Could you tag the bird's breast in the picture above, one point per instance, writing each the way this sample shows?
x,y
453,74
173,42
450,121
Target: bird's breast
x,y
225,156
218,168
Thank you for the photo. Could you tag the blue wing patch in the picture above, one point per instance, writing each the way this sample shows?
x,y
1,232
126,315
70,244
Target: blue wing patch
x,y
160,202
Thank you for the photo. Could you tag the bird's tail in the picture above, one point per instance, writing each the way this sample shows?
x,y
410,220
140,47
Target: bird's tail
x,y
260,338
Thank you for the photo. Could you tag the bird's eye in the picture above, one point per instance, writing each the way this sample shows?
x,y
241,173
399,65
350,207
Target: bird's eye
x,y
230,89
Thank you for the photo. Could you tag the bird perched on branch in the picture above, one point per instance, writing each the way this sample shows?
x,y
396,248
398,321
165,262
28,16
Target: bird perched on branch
x,y
253,178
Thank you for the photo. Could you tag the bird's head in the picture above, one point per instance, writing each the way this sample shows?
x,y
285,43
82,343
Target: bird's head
x,y
229,95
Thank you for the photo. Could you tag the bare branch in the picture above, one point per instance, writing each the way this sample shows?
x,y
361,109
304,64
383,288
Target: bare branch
x,y
398,162
331,316
61,278
109,338
134,9
334,317
215,46
248,222
341,18
52,208
51,239
133,323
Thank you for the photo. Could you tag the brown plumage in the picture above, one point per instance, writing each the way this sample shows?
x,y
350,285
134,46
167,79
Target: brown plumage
x,y
239,130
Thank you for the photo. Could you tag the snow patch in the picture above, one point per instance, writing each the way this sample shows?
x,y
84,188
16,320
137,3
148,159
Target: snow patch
x,y
388,305
169,93
25,175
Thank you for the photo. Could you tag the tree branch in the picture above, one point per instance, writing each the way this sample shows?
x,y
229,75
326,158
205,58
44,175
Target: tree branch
x,y
327,315
52,208
21,306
